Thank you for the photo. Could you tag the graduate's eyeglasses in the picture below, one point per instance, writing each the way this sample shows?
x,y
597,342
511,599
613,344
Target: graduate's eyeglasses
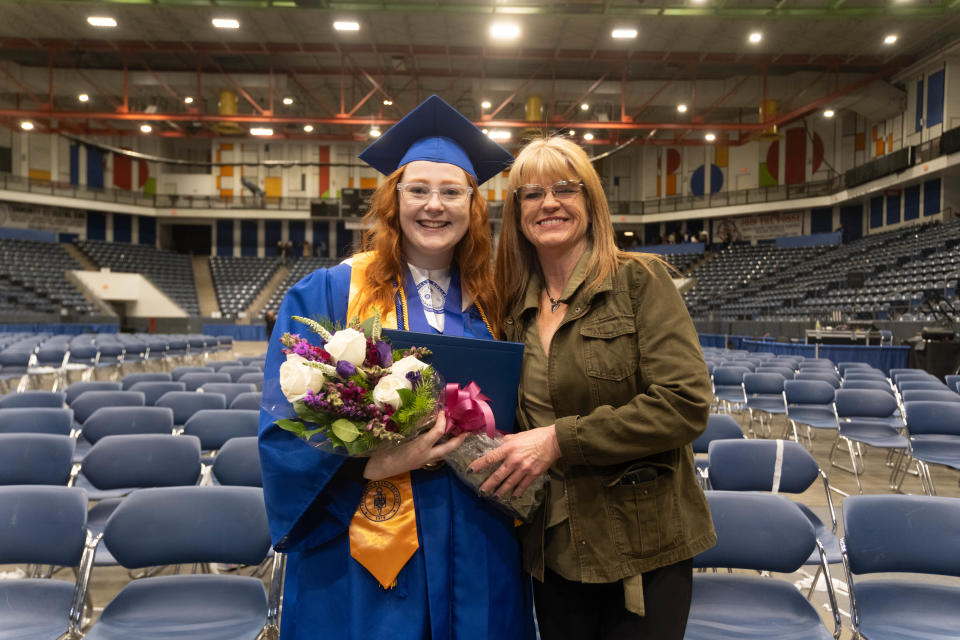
x,y
420,193
533,194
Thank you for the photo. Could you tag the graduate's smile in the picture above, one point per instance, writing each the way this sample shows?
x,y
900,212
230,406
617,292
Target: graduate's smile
x,y
432,229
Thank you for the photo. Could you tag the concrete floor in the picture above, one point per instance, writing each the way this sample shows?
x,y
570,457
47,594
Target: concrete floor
x,y
107,581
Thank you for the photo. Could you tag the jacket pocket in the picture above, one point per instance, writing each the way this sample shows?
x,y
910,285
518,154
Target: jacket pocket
x,y
645,517
610,347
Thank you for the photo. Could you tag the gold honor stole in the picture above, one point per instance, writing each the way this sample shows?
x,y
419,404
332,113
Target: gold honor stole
x,y
383,531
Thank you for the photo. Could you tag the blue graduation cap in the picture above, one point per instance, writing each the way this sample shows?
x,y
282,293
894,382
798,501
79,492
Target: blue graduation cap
x,y
437,132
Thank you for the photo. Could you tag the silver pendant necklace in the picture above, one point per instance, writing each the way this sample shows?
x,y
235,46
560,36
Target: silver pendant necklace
x,y
554,302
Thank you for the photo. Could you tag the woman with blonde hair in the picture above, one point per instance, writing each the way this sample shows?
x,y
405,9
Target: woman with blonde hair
x,y
614,389
395,545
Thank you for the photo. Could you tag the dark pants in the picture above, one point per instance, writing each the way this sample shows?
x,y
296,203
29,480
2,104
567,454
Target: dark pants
x,y
581,611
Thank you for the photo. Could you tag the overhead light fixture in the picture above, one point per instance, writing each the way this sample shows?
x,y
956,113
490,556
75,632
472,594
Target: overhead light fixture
x,y
828,113
628,234
623,34
26,125
572,132
388,102
288,101
374,132
308,128
584,107
261,131
226,23
755,37
588,137
890,38
682,108
504,31
710,137
346,25
188,100
83,97
101,21
485,104
485,132
499,134
145,128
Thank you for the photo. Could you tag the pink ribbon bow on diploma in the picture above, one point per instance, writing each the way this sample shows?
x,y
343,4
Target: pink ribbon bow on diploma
x,y
467,410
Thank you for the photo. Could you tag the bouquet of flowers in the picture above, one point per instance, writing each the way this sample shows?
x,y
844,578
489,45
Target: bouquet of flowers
x,y
467,411
354,394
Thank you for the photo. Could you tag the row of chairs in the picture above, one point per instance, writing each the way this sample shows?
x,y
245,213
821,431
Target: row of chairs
x,y
740,606
882,534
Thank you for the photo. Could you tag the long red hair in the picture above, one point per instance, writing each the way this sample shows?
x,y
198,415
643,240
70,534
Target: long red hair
x,y
472,254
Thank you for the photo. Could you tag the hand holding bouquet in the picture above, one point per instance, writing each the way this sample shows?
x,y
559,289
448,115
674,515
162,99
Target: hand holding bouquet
x,y
354,394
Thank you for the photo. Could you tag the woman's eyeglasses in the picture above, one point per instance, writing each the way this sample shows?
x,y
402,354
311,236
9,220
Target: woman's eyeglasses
x,y
535,193
419,192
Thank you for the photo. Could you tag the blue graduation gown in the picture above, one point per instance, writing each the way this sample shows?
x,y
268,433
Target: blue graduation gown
x,y
465,582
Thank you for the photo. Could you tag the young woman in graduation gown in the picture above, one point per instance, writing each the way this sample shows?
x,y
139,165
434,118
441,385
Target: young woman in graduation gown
x,y
395,546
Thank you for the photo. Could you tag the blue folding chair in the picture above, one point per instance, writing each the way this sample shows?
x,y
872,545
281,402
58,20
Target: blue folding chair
x,y
824,376
249,400
902,534
257,379
185,525
238,463
133,378
868,417
194,381
179,372
214,427
931,384
763,533
33,398
43,525
877,384
216,365
42,420
728,387
933,430
75,389
763,397
153,390
89,401
230,390
810,403
118,465
187,403
236,372
776,466
35,458
936,395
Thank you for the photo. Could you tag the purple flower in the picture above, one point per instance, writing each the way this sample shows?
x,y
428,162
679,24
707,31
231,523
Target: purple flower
x,y
415,378
385,353
345,369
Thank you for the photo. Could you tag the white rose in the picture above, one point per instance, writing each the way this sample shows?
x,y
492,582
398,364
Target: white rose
x,y
349,345
405,365
296,378
385,393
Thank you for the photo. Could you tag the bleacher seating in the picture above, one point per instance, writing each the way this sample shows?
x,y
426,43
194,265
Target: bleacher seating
x,y
300,269
237,281
908,274
32,278
171,272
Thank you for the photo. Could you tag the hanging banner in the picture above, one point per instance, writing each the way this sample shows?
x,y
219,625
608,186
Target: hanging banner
x,y
765,226
40,218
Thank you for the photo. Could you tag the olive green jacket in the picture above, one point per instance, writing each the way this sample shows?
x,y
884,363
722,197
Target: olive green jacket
x,y
628,378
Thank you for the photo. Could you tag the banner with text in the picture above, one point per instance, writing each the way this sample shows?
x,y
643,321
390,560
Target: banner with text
x,y
758,227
